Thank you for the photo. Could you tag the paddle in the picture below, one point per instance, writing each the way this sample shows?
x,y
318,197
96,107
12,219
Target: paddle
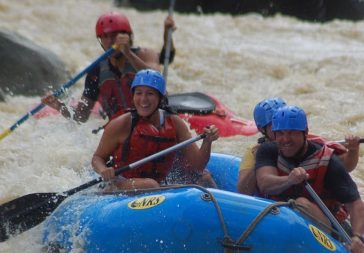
x,y
58,92
343,141
169,40
28,211
327,212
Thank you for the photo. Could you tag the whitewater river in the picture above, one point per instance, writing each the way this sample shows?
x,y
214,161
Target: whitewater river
x,y
240,60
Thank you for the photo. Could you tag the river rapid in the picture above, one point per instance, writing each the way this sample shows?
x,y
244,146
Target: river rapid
x,y
240,60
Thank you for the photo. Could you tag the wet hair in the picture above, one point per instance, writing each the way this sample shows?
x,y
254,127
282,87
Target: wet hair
x,y
163,104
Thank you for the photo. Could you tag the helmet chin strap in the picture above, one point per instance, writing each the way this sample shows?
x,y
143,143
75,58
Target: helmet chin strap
x,y
99,40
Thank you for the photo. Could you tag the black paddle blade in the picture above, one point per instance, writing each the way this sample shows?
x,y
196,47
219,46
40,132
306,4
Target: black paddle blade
x,y
26,212
191,102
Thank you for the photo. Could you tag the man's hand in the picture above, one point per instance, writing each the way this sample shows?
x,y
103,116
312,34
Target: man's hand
x,y
356,245
122,42
297,175
212,133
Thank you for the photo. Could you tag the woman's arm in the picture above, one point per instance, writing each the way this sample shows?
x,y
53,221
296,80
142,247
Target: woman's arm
x,y
196,157
114,135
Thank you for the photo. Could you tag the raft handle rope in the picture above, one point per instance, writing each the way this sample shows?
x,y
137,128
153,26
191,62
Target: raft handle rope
x,y
273,208
208,195
227,242
270,208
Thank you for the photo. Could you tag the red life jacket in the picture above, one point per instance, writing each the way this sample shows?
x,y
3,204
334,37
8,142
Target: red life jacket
x,y
316,166
114,93
145,140
338,148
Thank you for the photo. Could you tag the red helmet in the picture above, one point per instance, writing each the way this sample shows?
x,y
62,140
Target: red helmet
x,y
112,22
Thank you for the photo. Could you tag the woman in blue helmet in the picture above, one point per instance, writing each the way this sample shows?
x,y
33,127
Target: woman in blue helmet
x,y
283,166
147,130
263,113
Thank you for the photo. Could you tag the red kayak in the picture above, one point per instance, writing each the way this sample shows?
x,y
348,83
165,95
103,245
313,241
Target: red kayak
x,y
198,109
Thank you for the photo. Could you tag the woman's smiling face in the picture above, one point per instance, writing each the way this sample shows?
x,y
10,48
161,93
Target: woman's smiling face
x,y
146,100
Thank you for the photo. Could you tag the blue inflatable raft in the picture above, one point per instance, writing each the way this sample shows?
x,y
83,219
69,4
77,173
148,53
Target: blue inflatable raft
x,y
184,218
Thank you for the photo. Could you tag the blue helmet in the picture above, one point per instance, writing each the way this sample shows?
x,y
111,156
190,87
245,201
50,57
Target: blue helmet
x,y
264,110
150,78
289,118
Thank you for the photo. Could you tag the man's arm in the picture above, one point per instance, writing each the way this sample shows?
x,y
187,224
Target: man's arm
x,y
81,113
351,157
145,58
83,109
269,182
356,212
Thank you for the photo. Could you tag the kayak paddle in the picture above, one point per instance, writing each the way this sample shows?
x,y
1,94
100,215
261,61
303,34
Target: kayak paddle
x,y
169,41
327,212
23,213
58,92
343,141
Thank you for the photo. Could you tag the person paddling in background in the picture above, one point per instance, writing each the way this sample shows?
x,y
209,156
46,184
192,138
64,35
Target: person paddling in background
x,y
109,83
283,167
145,131
348,151
263,113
